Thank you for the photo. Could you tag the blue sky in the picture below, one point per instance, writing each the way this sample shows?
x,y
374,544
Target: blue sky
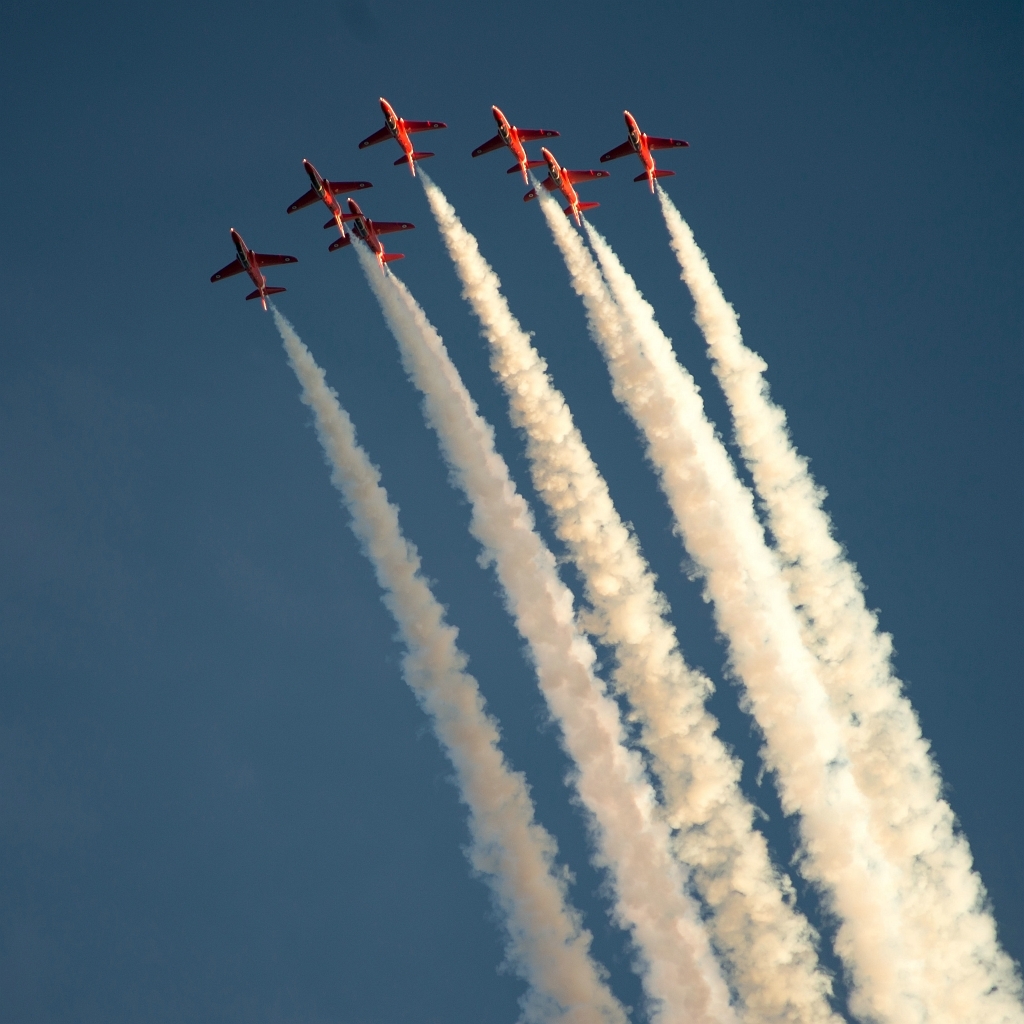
x,y
219,801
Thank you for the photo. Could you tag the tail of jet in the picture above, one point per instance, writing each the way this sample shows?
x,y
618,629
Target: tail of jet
x,y
262,295
656,173
390,257
410,158
515,168
569,212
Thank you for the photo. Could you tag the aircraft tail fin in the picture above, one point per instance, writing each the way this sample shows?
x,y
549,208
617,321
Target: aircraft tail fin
x,y
529,163
266,291
390,257
656,173
582,206
415,156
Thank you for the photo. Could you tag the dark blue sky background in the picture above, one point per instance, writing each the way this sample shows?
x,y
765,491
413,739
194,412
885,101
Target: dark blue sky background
x,y
218,801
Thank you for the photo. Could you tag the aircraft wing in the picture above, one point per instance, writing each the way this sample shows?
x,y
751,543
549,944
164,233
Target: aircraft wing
x,y
264,260
234,267
624,150
386,227
378,136
575,176
533,134
664,143
339,242
348,186
489,146
306,199
423,126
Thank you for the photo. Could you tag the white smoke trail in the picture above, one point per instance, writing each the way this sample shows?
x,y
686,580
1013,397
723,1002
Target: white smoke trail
x,y
769,944
677,968
967,976
546,945
715,516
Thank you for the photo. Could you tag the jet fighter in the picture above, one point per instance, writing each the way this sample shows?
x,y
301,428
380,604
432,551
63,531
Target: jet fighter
x,y
563,179
325,191
641,143
513,137
251,262
367,230
399,129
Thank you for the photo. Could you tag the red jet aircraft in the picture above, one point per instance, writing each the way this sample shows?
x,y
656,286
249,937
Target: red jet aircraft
x,y
367,230
251,262
513,137
641,143
325,191
399,129
564,179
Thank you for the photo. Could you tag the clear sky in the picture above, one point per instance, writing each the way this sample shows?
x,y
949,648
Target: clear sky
x,y
218,799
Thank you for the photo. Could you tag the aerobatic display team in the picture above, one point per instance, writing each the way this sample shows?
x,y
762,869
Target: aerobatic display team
x,y
718,936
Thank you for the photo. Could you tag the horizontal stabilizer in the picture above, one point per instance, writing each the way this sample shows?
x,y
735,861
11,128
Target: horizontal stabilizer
x,y
415,156
535,134
332,223
582,207
234,267
656,173
266,291
348,186
378,136
339,242
514,169
489,146
390,257
624,150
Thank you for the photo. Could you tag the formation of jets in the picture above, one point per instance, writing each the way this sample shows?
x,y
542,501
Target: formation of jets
x,y
324,191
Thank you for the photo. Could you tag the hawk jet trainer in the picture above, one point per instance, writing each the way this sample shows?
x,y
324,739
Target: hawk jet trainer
x,y
324,191
513,137
563,179
641,143
399,129
251,262
367,230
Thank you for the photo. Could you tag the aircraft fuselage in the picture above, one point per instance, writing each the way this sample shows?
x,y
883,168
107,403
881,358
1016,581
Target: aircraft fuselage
x,y
562,183
326,196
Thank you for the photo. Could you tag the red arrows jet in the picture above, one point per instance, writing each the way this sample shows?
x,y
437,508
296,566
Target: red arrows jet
x,y
325,191
641,143
367,230
251,262
399,129
513,137
562,178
